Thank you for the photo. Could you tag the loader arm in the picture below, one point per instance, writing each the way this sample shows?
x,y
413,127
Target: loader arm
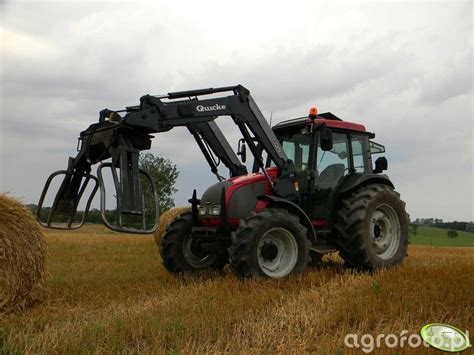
x,y
122,138
209,136
156,115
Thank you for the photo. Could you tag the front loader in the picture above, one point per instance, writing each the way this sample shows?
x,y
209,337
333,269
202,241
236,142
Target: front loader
x,y
312,189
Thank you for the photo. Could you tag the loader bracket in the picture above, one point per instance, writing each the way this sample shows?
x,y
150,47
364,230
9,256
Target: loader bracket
x,y
131,206
67,199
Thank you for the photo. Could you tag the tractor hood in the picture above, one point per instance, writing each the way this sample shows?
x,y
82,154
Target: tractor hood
x,y
240,192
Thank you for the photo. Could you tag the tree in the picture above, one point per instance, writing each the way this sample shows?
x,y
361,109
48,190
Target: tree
x,y
164,173
470,227
452,233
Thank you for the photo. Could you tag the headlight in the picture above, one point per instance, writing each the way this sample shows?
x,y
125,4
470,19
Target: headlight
x,y
202,210
215,210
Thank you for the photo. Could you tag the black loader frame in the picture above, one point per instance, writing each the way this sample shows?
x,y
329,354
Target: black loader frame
x,y
122,138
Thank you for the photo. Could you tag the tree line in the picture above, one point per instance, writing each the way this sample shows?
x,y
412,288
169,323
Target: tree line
x,y
438,223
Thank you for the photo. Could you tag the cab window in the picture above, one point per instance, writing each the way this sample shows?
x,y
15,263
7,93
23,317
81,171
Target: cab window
x,y
332,165
360,152
296,148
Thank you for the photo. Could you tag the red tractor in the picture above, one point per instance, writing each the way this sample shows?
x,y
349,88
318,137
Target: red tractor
x,y
312,190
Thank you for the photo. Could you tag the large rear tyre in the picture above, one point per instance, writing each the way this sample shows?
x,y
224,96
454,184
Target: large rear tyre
x,y
372,228
271,243
181,253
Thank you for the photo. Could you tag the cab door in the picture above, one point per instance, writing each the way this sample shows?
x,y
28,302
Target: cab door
x,y
350,154
331,167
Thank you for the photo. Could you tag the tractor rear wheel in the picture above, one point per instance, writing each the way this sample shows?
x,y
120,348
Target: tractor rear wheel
x,y
181,253
271,243
372,228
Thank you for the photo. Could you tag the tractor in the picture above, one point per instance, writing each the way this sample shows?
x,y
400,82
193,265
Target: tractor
x,y
311,189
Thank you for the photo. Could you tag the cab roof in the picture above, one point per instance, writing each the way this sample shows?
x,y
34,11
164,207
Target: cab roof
x,y
328,118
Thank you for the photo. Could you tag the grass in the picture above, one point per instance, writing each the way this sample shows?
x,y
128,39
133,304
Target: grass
x,y
439,237
108,293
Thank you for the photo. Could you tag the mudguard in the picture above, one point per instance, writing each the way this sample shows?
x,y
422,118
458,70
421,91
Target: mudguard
x,y
355,180
293,208
350,183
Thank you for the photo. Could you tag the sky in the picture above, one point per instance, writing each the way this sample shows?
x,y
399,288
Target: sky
x,y
403,69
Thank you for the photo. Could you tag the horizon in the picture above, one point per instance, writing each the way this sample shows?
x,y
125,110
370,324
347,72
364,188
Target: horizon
x,y
412,220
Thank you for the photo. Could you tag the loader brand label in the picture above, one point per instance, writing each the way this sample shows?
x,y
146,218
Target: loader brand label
x,y
215,107
276,144
445,337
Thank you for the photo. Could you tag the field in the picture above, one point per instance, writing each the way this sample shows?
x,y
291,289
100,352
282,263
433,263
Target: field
x,y
438,237
107,292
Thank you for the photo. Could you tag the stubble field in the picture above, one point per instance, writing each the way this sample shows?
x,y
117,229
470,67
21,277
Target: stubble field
x,y
107,292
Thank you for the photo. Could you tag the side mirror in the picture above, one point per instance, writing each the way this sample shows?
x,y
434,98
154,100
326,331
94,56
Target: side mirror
x,y
242,150
326,139
381,164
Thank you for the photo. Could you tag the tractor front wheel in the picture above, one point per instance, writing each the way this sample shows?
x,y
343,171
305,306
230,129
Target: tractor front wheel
x,y
271,243
181,253
372,228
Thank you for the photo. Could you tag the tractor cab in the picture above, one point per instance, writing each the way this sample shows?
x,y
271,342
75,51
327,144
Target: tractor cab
x,y
327,153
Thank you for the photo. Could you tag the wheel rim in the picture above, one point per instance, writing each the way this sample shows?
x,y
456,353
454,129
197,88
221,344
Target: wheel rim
x,y
195,258
385,231
277,252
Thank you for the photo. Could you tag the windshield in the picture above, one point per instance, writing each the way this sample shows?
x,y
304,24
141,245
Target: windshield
x,y
296,147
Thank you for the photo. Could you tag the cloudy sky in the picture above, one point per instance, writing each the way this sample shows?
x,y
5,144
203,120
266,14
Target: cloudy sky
x,y
405,70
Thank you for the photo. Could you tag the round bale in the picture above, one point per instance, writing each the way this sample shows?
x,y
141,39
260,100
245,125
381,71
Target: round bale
x,y
22,254
166,219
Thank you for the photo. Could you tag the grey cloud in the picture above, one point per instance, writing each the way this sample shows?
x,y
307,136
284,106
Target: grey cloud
x,y
285,79
409,80
454,79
